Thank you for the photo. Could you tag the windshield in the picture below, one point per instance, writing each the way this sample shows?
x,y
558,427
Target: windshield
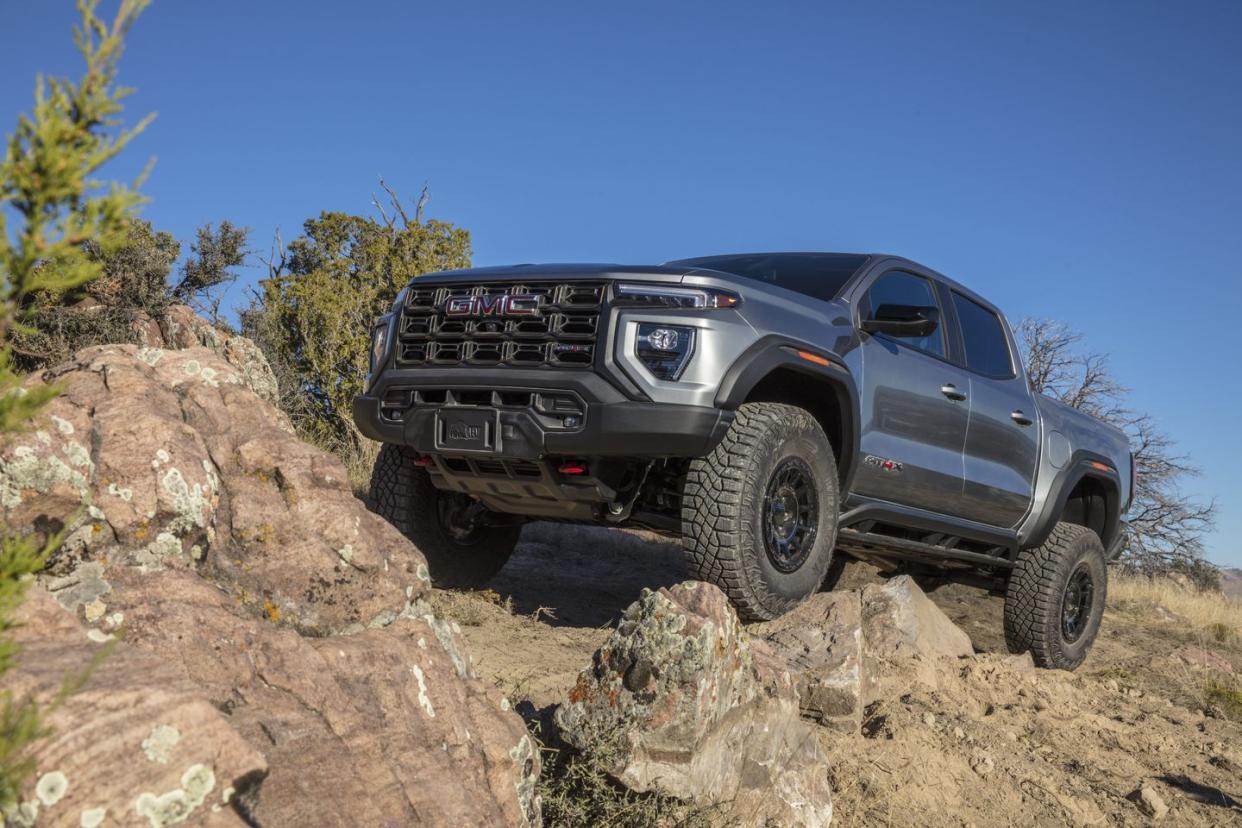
x,y
821,275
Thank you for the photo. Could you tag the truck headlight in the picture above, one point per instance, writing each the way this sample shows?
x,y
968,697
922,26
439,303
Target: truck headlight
x,y
379,343
665,349
652,295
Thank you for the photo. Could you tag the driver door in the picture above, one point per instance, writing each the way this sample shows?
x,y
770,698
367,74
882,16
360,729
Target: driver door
x,y
915,404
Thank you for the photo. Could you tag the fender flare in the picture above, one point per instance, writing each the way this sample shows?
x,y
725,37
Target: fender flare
x,y
1082,465
824,367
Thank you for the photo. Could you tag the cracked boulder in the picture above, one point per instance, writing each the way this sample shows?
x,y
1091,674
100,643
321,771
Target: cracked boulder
x,y
681,700
160,459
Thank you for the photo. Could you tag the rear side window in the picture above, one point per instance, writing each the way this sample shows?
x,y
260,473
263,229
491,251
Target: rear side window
x,y
900,288
983,334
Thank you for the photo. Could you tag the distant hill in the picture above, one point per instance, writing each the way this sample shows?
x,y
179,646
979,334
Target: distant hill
x,y
1231,582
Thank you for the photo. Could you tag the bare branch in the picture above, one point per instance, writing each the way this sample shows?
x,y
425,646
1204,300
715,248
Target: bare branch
x,y
384,215
396,203
423,198
278,259
1166,527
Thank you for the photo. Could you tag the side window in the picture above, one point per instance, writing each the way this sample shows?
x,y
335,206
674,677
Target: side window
x,y
900,288
983,334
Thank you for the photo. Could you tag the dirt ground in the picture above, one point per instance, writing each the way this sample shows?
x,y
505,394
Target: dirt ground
x,y
991,745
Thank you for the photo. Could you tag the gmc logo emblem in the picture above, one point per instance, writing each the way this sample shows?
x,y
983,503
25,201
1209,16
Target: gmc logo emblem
x,y
462,431
512,304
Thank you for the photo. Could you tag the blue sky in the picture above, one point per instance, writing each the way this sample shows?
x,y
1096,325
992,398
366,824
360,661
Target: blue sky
x,y
1081,161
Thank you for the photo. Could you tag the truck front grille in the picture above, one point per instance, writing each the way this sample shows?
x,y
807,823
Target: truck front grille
x,y
562,335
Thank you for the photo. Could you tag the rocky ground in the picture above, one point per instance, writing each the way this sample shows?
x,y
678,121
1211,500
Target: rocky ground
x,y
991,741
248,645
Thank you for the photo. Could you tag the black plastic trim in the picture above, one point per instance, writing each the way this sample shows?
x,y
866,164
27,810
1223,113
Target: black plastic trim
x,y
612,425
772,352
905,549
1078,468
860,508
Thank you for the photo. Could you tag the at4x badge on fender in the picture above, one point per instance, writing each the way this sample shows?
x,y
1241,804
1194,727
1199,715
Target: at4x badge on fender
x,y
882,463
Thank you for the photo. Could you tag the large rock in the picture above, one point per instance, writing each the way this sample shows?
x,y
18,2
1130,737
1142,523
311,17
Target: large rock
x,y
821,644
236,564
180,327
905,637
137,744
379,727
846,649
162,459
206,712
680,700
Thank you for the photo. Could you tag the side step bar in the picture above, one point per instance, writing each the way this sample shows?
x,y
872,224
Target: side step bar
x,y
912,550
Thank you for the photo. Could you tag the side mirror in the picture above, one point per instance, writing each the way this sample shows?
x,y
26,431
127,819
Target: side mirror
x,y
907,321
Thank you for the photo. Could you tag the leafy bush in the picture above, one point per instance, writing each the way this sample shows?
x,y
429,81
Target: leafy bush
x,y
131,291
213,254
313,315
66,222
132,286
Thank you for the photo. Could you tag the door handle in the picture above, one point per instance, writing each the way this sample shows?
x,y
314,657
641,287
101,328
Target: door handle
x,y
950,391
1021,419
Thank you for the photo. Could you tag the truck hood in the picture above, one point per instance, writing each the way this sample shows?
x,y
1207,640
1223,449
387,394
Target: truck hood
x,y
560,272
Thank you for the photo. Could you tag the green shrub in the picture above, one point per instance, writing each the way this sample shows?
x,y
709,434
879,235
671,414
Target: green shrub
x,y
313,316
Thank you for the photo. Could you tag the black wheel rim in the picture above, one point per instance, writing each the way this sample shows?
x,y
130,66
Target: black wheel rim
x,y
1076,604
790,515
460,518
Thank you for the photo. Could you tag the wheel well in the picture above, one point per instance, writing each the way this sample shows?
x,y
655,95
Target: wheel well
x,y
823,399
1090,504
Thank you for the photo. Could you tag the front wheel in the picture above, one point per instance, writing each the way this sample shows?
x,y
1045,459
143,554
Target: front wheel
x,y
463,549
759,513
1055,598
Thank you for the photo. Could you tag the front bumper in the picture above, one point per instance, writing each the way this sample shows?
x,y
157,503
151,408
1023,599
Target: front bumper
x,y
540,413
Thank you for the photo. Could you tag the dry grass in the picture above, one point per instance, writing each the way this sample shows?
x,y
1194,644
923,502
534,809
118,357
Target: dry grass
x,y
359,462
576,790
1219,616
1227,696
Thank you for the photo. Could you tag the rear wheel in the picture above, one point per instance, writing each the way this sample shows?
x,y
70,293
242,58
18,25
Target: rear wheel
x,y
1055,597
464,550
759,514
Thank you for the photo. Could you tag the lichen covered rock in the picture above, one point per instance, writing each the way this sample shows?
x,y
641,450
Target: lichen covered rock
x,y
380,727
164,459
679,701
256,602
180,327
137,744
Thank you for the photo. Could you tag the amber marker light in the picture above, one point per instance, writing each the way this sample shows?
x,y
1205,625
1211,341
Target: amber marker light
x,y
816,358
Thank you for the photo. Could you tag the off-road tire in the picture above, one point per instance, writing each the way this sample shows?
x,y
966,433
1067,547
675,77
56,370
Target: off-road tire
x,y
403,494
1036,594
724,500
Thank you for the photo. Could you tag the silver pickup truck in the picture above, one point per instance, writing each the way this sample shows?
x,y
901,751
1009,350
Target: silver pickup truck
x,y
769,409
